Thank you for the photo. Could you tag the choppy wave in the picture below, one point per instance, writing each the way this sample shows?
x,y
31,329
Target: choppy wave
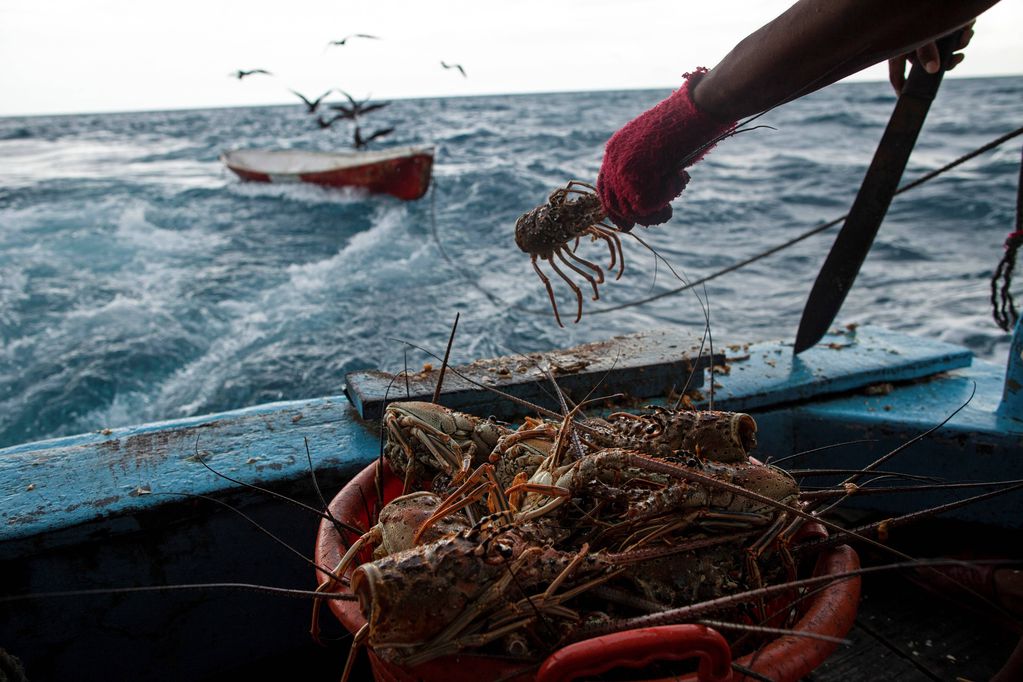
x,y
139,280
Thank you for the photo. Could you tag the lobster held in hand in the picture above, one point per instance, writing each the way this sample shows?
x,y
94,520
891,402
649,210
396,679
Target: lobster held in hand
x,y
545,232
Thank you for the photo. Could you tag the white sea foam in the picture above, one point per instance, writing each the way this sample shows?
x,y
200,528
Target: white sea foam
x,y
150,241
300,192
30,161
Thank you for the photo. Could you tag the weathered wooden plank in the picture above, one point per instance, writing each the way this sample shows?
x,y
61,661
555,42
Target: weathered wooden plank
x,y
974,444
643,365
59,484
63,482
767,373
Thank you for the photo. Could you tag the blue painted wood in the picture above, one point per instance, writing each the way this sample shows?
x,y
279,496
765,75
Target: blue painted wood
x,y
641,365
63,482
764,374
976,444
59,484
1011,406
75,516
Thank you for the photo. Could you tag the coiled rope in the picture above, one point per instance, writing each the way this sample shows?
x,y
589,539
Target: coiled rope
x,y
1005,313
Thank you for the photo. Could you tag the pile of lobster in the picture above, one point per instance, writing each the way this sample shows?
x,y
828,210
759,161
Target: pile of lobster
x,y
514,542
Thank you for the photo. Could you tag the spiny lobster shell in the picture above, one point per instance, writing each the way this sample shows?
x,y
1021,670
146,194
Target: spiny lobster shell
x,y
411,597
400,518
717,436
557,222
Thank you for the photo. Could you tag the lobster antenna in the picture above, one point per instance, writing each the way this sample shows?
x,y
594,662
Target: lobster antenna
x,y
710,343
692,372
408,389
258,526
378,478
811,473
704,305
589,394
764,629
888,524
444,363
567,418
519,401
886,490
272,493
884,458
244,587
822,448
496,391
685,613
319,493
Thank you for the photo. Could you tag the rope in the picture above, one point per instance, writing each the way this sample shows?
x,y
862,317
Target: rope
x,y
1004,306
735,266
810,233
467,276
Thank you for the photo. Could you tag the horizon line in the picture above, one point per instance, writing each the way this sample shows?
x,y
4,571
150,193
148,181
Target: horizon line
x,y
848,81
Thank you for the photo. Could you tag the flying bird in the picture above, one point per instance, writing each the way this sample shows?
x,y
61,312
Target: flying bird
x,y
239,74
360,142
314,105
354,35
326,123
357,108
454,66
346,112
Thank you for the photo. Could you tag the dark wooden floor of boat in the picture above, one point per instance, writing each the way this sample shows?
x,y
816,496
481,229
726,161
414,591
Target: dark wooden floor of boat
x,y
903,632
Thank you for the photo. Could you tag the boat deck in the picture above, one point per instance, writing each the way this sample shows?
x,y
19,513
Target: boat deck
x,y
907,632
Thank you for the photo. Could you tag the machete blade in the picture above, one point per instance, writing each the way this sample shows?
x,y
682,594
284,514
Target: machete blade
x,y
868,210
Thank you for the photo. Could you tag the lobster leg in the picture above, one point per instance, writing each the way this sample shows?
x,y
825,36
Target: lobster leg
x,y
592,266
573,285
454,646
599,233
469,492
772,536
610,234
505,443
451,460
582,273
550,290
580,183
370,536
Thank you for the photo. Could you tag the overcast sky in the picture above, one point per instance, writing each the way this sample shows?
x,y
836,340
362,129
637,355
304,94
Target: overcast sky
x,y
67,56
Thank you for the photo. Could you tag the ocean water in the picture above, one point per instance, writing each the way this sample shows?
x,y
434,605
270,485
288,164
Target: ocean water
x,y
139,280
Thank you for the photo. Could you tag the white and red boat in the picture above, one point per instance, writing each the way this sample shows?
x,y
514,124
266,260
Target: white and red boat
x,y
403,172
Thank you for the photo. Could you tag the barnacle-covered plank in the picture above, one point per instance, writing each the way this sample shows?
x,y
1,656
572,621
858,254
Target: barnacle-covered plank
x,y
642,366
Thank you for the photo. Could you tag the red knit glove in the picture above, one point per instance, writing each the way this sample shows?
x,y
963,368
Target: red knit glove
x,y
644,161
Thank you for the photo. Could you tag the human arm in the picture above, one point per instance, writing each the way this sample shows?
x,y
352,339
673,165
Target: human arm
x,y
811,45
818,42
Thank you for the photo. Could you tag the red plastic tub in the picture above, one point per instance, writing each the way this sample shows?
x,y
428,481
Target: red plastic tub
x,y
786,659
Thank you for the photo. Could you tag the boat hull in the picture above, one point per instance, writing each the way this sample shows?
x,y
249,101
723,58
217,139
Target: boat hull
x,y
404,174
